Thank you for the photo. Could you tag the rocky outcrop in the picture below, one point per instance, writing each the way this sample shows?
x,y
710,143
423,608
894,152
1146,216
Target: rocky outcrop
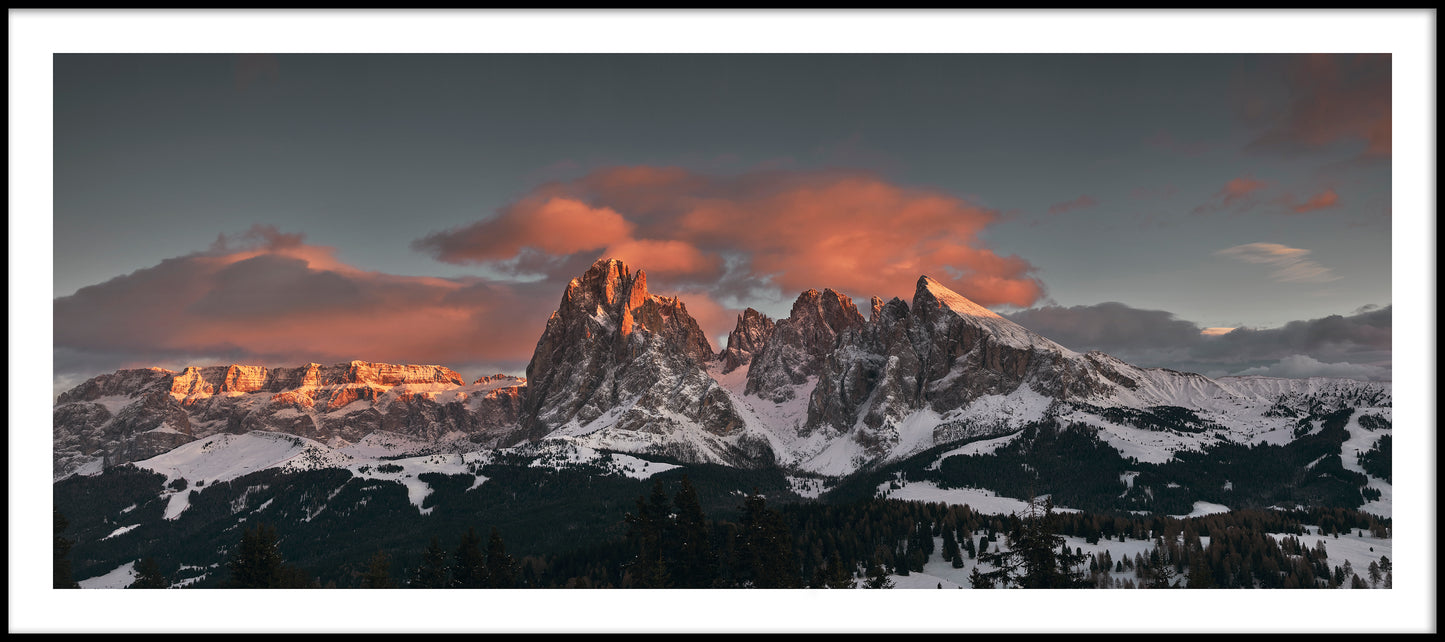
x,y
119,383
748,338
941,353
619,359
800,343
873,376
132,415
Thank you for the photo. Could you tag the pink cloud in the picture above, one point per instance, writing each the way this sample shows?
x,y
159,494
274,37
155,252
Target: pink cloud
x,y
273,300
789,230
1237,189
1238,194
1324,199
548,224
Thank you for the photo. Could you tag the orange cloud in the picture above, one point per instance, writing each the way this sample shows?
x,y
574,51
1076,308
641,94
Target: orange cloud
x,y
785,230
666,258
1328,198
276,300
549,224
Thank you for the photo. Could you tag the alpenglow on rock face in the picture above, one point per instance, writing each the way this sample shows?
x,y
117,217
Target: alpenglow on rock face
x,y
132,415
627,369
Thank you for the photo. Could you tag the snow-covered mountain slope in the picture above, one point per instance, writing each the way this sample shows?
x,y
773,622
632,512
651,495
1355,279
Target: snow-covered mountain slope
x,y
225,457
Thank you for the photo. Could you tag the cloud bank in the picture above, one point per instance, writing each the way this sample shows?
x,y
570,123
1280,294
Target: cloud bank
x,y
269,298
737,236
1355,346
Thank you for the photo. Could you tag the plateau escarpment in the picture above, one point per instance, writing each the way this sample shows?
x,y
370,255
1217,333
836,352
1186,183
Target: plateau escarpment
x,y
136,414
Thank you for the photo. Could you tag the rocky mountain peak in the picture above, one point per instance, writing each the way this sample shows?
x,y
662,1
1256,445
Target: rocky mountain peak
x,y
934,295
877,305
609,283
611,345
800,342
827,309
749,336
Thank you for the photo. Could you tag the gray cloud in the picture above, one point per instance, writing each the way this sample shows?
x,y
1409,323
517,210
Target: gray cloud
x,y
1355,346
1301,366
1108,326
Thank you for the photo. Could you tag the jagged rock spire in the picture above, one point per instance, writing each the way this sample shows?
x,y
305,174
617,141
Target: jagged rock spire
x,y
800,342
747,338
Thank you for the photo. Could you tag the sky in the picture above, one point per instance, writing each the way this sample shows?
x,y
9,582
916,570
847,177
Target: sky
x,y
199,209
283,209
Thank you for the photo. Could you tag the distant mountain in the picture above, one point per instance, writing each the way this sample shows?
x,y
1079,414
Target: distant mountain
x,y
132,415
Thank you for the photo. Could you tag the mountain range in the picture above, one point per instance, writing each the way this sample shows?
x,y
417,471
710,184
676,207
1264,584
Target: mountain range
x,y
825,391
935,400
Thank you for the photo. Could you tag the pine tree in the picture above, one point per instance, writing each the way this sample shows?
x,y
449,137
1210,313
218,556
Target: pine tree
x,y
877,577
469,567
378,572
62,577
257,562
501,569
979,580
765,547
647,530
1037,557
839,576
1200,575
433,571
148,575
695,563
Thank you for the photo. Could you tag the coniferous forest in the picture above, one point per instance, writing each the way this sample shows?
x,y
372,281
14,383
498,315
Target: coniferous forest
x,y
701,526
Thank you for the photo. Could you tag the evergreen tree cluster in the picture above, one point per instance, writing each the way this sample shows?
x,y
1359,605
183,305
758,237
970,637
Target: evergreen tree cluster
x,y
1037,556
1376,460
257,563
62,578
467,567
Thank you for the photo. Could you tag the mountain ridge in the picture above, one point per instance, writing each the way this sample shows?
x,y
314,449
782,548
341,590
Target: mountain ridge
x,y
620,368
